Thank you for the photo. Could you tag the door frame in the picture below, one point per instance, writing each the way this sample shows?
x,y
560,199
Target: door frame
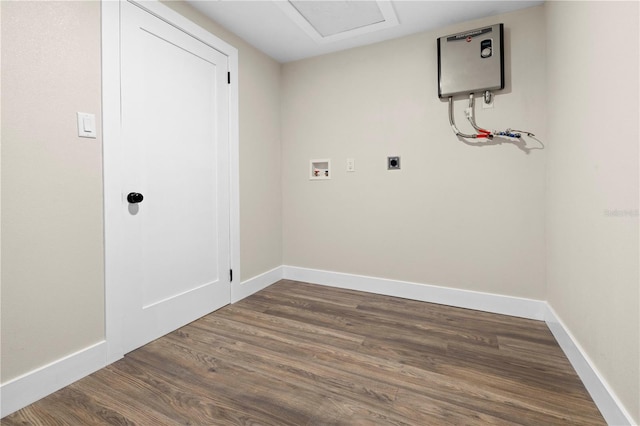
x,y
115,291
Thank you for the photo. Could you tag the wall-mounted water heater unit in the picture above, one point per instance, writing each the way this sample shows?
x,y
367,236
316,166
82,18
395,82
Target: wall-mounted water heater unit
x,y
471,62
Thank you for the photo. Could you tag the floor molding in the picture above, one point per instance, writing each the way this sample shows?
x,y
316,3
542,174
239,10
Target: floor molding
x,y
608,403
32,386
255,284
37,384
26,389
494,303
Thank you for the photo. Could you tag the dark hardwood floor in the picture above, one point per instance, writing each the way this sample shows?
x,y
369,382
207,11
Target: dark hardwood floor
x,y
301,354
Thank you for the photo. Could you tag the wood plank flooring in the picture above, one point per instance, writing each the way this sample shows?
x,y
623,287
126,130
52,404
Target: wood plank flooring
x,y
301,354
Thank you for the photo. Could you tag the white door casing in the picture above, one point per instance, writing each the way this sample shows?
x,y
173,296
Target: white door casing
x,y
166,262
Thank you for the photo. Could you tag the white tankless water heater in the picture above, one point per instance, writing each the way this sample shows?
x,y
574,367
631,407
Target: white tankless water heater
x,y
471,61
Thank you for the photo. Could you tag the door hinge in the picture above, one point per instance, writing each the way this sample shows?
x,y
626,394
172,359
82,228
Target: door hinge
x,y
230,275
228,77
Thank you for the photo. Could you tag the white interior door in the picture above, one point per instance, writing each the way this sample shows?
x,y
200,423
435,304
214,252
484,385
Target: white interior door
x,y
174,103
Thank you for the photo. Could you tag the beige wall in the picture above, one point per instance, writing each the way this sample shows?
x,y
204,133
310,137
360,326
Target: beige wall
x,y
260,159
455,215
52,245
592,215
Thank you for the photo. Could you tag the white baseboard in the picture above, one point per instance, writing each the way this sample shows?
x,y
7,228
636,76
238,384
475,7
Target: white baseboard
x,y
605,399
35,385
24,390
608,403
30,387
499,304
255,284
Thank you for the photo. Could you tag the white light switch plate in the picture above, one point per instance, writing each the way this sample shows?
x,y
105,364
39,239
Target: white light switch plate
x,y
86,125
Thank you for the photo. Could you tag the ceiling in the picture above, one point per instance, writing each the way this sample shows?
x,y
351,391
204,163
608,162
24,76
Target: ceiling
x,y
276,27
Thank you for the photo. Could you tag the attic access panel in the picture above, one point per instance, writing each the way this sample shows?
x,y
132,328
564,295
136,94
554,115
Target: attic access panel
x,y
328,21
471,61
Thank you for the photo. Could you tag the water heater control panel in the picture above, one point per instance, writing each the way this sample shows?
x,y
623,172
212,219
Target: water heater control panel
x,y
471,61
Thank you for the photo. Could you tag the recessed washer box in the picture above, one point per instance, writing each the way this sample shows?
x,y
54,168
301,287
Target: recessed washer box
x,y
471,61
320,169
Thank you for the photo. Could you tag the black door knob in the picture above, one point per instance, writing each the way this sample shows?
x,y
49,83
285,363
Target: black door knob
x,y
134,198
